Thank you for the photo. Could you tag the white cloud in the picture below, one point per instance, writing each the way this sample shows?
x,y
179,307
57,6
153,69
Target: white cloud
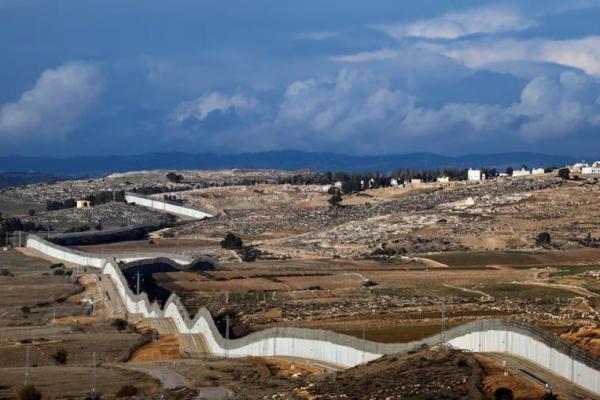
x,y
200,108
583,53
52,107
494,19
366,56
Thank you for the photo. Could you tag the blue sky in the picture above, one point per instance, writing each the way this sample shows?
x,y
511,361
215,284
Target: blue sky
x,y
378,77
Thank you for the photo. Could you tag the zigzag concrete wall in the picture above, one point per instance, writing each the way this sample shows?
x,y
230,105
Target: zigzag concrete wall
x,y
498,335
161,205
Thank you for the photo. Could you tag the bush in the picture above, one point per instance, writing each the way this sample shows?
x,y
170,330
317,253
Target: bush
x,y
232,241
503,394
58,265
543,239
29,392
127,391
60,356
59,272
25,309
5,272
120,324
336,198
550,396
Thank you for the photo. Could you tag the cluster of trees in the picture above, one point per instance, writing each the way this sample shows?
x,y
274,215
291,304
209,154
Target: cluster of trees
x,y
10,225
52,205
147,190
174,177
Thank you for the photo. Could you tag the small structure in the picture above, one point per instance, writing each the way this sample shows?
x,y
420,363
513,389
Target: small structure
x,y
502,175
578,167
443,179
84,204
538,171
521,172
594,169
475,175
394,182
416,181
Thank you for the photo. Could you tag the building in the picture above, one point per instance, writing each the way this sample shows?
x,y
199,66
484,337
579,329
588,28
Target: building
x,y
594,169
502,175
394,182
443,179
475,175
538,171
521,172
416,181
577,168
84,204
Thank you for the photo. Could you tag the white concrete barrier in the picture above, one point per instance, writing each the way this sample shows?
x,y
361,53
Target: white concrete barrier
x,y
513,337
166,206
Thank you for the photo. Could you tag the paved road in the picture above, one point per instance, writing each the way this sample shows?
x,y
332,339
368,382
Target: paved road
x,y
557,384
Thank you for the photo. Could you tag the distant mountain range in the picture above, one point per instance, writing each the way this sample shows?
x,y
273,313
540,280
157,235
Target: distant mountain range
x,y
287,160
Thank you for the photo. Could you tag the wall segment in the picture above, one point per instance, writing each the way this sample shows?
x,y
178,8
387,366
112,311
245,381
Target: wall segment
x,y
498,335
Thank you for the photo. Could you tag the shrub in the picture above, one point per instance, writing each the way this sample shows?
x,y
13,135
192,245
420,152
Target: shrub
x,y
127,391
543,239
60,356
120,324
550,396
503,394
59,272
57,265
29,392
6,272
25,309
232,241
336,198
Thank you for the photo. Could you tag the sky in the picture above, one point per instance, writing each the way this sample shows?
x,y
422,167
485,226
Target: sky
x,y
83,77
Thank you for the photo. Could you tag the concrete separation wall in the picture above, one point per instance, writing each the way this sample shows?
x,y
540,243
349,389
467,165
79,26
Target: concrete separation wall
x,y
497,335
166,206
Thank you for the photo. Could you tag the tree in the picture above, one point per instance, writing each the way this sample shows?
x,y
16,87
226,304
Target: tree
x,y
31,212
509,171
175,178
503,394
336,197
563,173
543,239
29,392
232,242
549,396
127,391
60,356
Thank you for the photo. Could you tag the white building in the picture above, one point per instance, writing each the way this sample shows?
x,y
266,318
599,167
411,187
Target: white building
x,y
502,175
594,169
443,179
416,181
394,182
579,167
538,171
521,172
84,204
475,175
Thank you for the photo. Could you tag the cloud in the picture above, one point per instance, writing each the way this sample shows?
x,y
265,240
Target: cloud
x,y
582,53
493,19
53,106
200,108
366,56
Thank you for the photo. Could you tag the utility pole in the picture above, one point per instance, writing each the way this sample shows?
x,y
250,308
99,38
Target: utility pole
x,y
364,343
27,365
137,302
443,323
94,375
227,335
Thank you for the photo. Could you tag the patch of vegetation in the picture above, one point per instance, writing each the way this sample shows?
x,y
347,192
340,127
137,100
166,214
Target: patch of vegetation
x,y
503,394
232,242
60,356
29,392
120,324
127,391
543,239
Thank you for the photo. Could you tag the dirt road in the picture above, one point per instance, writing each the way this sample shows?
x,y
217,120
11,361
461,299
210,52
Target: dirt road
x,y
167,377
